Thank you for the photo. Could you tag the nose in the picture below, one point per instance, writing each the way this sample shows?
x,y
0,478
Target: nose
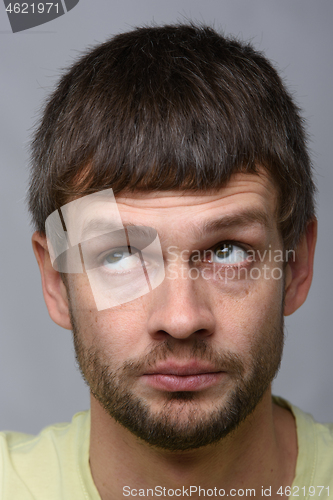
x,y
180,308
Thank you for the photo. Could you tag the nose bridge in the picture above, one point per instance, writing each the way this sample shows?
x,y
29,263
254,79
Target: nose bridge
x,y
179,305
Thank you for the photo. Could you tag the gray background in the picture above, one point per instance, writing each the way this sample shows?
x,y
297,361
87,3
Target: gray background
x,y
39,382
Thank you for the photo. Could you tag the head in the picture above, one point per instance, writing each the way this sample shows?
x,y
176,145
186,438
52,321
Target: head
x,y
199,139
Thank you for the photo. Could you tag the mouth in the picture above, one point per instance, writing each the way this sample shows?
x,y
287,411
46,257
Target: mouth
x,y
191,376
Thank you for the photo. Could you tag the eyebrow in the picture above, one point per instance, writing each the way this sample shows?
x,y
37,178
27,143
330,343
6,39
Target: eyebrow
x,y
103,227
99,226
246,218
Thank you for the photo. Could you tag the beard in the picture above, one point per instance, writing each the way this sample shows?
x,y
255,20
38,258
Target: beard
x,y
181,423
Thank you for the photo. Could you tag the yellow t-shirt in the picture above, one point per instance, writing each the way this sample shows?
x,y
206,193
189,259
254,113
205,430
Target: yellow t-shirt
x,y
51,466
55,464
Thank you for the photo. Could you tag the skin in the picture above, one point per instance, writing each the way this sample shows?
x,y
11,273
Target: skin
x,y
262,451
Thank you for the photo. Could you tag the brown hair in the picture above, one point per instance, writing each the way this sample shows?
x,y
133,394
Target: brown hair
x,y
172,107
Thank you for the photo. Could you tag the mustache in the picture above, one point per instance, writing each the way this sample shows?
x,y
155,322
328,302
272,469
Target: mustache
x,y
198,350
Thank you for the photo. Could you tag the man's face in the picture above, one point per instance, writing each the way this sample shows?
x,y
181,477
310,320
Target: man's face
x,y
183,365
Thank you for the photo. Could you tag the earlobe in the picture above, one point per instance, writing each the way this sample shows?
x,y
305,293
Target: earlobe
x,y
299,270
54,290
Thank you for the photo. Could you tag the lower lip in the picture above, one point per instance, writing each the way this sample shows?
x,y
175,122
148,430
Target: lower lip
x,y
173,383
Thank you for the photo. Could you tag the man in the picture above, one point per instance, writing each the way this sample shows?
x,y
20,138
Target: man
x,y
172,197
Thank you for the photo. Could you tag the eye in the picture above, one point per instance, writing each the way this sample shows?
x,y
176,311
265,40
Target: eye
x,y
120,259
227,253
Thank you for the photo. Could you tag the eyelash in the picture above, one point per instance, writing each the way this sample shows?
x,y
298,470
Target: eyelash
x,y
213,249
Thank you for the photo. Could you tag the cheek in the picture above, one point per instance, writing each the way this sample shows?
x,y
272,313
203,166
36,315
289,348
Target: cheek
x,y
118,331
121,330
81,297
244,315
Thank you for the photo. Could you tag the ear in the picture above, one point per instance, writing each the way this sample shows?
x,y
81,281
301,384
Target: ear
x,y
54,290
299,270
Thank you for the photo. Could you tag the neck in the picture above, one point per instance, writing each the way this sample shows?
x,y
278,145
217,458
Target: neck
x,y
260,453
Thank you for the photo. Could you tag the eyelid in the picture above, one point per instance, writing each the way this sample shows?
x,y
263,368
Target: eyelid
x,y
100,259
123,248
127,263
240,245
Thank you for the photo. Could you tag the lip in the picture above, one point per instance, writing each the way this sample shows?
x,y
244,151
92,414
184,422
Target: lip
x,y
191,376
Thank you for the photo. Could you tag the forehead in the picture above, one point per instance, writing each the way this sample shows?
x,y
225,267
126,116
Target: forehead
x,y
243,193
